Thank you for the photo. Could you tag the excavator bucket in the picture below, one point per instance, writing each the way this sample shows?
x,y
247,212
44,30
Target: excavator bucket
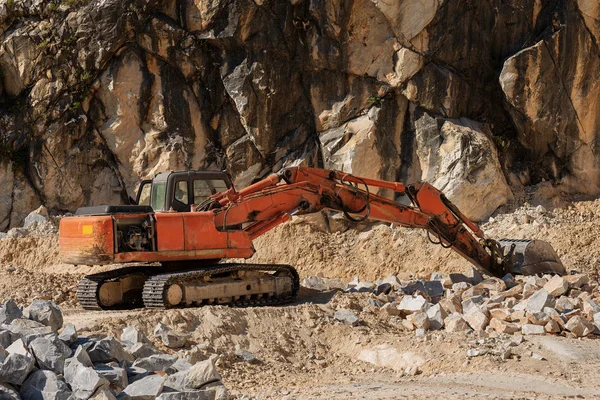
x,y
533,257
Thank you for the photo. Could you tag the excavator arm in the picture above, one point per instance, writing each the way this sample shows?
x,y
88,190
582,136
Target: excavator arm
x,y
301,190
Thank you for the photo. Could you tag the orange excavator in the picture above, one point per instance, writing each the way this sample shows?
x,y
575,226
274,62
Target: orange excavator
x,y
184,225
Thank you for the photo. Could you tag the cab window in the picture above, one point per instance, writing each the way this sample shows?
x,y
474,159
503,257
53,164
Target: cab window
x,y
158,195
181,192
144,194
203,189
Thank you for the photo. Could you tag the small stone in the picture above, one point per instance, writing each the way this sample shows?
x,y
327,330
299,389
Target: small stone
x,y
501,326
557,286
455,323
246,356
103,393
451,304
168,337
473,276
384,288
200,374
539,318
80,375
433,289
473,302
15,368
436,276
142,350
135,374
410,304
17,233
390,309
509,281
116,376
393,281
107,350
133,335
47,313
354,282
181,365
147,388
419,320
436,315
413,370
538,357
539,300
50,353
458,278
579,326
476,352
45,385
492,284
346,316
314,283
501,314
374,303
8,392
528,290
5,338
188,395
364,287
69,334
9,312
564,304
590,307
157,362
476,318
18,347
27,330
38,216
577,281
530,329
552,327
460,287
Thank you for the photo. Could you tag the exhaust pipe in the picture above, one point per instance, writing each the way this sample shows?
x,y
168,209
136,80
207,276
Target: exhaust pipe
x,y
533,257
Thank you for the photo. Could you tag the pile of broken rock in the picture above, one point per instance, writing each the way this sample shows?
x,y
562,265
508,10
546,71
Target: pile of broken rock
x,y
39,359
533,305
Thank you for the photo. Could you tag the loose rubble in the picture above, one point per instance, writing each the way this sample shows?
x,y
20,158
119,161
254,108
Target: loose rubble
x,y
566,305
43,360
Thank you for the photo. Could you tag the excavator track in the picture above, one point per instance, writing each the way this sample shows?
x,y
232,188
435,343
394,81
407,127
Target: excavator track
x,y
156,289
88,289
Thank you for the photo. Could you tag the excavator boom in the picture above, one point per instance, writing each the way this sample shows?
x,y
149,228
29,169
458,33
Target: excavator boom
x,y
307,190
189,236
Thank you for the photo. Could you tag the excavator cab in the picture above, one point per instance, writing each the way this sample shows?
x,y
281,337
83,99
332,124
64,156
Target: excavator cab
x,y
179,190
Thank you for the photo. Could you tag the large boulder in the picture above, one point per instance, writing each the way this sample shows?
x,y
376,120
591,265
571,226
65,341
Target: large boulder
x,y
553,99
459,158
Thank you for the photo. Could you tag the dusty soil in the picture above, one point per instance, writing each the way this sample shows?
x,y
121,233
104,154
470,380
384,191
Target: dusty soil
x,y
303,353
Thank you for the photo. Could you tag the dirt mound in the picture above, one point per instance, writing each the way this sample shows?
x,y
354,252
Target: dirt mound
x,y
382,249
378,251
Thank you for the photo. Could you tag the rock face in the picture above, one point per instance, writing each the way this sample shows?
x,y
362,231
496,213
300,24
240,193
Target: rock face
x,y
95,96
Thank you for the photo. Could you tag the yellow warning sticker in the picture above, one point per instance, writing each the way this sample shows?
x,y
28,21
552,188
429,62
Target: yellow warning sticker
x,y
87,229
